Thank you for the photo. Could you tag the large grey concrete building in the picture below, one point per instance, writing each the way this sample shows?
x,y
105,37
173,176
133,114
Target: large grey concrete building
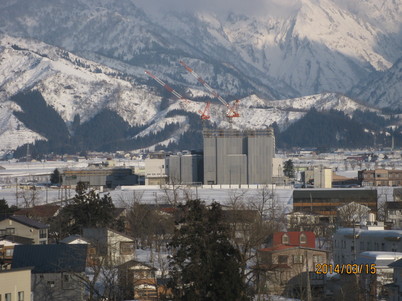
x,y
185,168
238,157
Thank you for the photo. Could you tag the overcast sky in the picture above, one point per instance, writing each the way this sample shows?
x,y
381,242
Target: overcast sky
x,y
252,7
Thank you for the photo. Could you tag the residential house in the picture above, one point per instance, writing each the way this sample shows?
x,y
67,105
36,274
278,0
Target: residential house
x,y
58,270
23,226
138,281
79,240
393,214
116,247
377,273
290,264
380,177
395,288
41,213
15,284
242,222
7,244
397,194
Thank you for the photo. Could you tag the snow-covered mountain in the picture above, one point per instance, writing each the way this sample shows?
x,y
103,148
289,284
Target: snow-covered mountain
x,y
384,89
74,86
275,49
280,57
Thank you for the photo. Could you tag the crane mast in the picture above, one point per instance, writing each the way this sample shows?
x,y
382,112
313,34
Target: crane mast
x,y
232,110
204,113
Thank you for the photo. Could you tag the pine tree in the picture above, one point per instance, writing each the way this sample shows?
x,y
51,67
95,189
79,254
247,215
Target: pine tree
x,y
87,209
205,265
55,177
288,169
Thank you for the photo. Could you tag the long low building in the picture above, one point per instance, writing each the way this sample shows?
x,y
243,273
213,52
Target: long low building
x,y
324,202
102,177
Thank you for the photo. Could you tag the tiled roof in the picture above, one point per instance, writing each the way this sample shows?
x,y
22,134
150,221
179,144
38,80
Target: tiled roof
x,y
28,222
44,211
51,258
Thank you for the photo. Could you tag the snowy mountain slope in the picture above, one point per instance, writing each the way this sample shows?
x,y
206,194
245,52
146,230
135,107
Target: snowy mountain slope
x,y
120,31
74,86
384,89
258,113
305,47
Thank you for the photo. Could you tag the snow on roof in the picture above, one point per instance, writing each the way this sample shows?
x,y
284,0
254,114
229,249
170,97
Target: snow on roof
x,y
370,233
379,258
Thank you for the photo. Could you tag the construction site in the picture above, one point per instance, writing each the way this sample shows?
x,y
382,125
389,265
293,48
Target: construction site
x,y
229,156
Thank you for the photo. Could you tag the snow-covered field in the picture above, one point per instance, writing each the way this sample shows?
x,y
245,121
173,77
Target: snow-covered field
x,y
39,172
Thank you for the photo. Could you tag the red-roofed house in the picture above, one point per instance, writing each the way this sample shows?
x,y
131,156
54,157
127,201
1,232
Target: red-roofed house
x,y
295,238
283,268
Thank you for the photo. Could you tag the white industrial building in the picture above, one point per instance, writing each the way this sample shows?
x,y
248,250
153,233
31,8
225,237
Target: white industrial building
x,y
348,243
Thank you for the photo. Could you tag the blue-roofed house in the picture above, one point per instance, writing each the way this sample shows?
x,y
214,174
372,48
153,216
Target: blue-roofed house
x,y
58,271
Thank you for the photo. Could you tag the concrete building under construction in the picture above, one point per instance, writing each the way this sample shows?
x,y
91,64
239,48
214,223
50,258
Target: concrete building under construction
x,y
238,157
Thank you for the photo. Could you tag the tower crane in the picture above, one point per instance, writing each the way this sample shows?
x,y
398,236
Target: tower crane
x,y
232,110
204,113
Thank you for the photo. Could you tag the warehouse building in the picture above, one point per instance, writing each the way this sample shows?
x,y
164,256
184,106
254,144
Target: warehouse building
x,y
238,157
102,177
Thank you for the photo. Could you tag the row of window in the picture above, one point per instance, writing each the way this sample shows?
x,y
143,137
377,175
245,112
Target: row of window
x,y
8,296
284,259
302,239
11,231
7,231
366,246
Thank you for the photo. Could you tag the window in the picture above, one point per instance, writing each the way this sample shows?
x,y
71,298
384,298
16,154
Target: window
x,y
7,297
20,296
282,259
303,238
42,233
317,259
126,248
285,239
9,252
50,283
297,258
10,231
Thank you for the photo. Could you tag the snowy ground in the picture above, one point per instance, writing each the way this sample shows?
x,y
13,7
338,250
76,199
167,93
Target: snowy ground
x,y
11,172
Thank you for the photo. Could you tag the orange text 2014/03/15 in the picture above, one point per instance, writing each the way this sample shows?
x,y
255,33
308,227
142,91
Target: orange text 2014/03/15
x,y
345,268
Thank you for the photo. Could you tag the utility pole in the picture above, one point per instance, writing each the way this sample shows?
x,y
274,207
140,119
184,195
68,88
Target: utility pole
x,y
309,297
16,192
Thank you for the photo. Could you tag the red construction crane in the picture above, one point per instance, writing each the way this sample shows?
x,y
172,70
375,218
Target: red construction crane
x,y
204,113
232,110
